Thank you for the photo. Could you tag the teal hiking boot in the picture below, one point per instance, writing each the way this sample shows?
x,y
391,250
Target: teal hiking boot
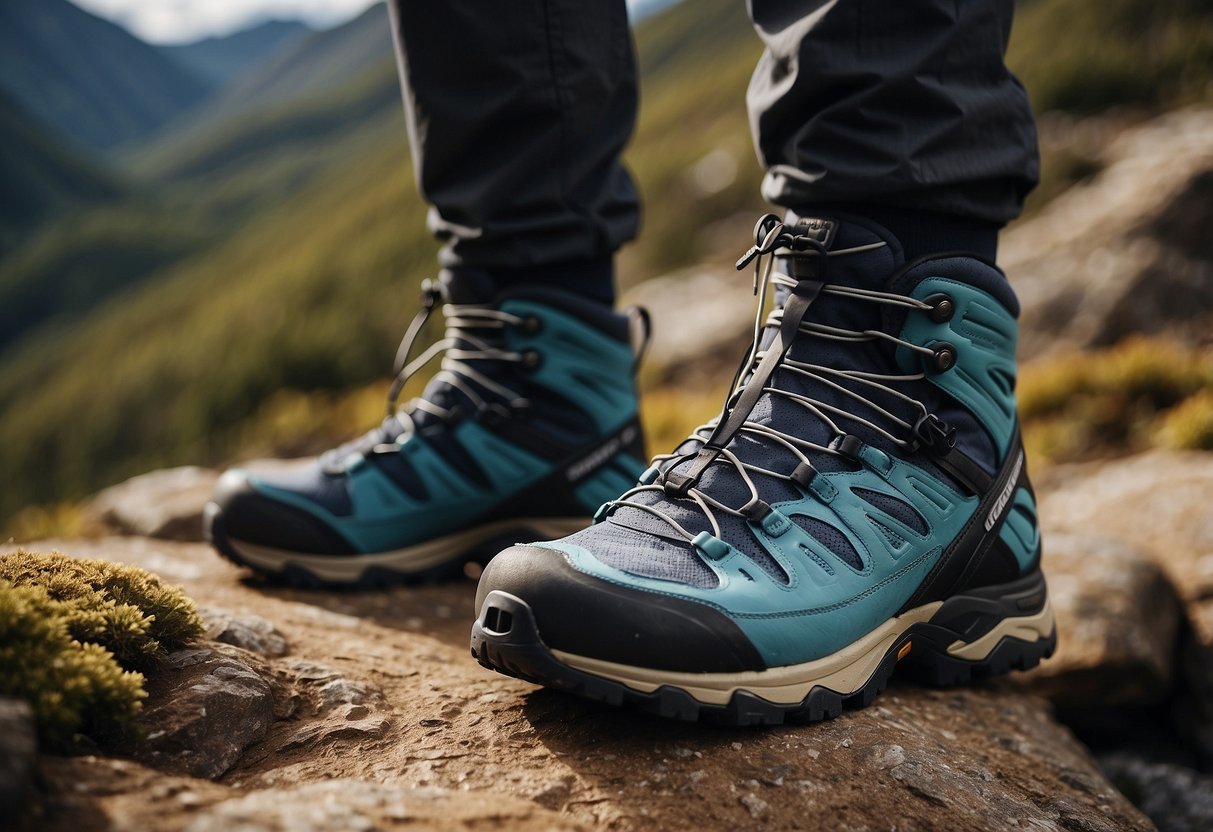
x,y
530,424
861,504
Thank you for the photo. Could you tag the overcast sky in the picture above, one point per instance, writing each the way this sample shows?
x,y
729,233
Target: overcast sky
x,y
178,21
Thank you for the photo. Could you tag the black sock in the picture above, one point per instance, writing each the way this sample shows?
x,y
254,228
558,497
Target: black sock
x,y
593,280
922,232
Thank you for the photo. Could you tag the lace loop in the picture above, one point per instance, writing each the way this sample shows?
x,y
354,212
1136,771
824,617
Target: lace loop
x,y
678,475
469,338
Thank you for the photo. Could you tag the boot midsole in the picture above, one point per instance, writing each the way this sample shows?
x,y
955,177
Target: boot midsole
x,y
415,558
844,672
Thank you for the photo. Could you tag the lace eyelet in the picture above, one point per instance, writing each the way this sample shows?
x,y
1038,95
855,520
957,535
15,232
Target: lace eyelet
x,y
531,360
531,325
944,358
942,308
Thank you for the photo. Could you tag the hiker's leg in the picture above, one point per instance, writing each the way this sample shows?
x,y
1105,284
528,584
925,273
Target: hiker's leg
x,y
901,110
517,114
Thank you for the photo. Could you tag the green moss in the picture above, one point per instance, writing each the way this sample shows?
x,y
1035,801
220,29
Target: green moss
x,y
73,688
124,609
74,636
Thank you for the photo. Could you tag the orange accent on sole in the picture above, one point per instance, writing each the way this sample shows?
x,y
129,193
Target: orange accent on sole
x,y
905,650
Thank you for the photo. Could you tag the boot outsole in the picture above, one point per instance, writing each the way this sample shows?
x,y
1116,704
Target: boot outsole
x,y
505,639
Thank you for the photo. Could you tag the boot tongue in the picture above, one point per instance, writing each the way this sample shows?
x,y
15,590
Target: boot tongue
x,y
861,255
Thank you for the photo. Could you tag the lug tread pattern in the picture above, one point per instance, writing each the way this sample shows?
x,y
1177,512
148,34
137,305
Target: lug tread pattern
x,y
522,654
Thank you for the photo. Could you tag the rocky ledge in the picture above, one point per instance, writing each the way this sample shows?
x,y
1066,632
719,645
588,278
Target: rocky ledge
x,y
307,710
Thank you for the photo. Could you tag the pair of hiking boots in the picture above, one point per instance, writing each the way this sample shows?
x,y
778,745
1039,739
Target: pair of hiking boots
x,y
860,504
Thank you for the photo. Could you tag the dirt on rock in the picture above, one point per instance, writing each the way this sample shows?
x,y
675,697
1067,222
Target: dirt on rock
x,y
382,720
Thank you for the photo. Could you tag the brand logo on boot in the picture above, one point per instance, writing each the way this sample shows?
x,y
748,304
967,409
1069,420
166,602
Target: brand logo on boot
x,y
601,455
821,230
1007,490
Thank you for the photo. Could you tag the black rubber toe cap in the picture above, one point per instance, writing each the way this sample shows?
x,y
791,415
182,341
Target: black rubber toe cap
x,y
580,614
249,516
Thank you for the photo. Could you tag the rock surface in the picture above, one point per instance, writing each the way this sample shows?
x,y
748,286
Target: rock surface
x,y
1118,618
1127,252
205,707
340,805
18,751
162,504
245,630
379,691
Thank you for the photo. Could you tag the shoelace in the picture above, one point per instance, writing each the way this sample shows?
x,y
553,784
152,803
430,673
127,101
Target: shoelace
x,y
459,346
754,378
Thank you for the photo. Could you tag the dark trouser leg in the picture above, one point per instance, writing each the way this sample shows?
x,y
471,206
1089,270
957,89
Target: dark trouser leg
x,y
900,106
517,114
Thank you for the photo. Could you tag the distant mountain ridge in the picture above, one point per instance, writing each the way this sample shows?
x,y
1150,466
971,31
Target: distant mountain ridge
x,y
220,60
323,64
88,79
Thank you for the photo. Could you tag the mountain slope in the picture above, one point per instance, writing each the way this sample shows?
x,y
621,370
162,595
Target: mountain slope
x,y
220,60
325,64
40,178
86,78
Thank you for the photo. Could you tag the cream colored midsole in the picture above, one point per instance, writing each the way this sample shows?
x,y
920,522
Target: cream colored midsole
x,y
844,672
1027,628
411,559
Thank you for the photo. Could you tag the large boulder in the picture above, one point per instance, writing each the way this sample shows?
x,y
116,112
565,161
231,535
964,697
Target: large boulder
x,y
1158,502
1129,251
1118,620
163,504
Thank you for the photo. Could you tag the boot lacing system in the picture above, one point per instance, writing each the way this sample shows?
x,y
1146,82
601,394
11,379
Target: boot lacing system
x,y
755,375
463,342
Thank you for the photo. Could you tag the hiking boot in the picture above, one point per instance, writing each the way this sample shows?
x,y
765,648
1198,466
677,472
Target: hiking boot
x,y
860,504
529,425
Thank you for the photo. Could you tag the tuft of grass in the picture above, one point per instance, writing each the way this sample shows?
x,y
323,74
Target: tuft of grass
x,y
76,637
1189,425
1139,394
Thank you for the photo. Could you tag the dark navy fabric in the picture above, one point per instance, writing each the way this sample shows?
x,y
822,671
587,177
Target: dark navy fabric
x,y
870,270
518,112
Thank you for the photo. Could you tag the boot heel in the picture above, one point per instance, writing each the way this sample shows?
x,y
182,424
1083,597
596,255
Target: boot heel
x,y
984,633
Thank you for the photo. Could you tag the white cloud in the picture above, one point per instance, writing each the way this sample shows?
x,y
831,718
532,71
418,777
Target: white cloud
x,y
176,21
179,21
